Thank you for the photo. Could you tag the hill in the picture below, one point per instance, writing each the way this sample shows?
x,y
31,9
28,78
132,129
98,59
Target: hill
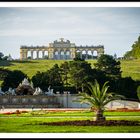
x,y
135,52
128,67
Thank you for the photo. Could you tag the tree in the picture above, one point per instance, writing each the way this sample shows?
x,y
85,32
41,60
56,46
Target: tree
x,y
41,79
125,86
3,73
78,57
138,92
13,79
1,55
135,51
55,78
109,66
80,73
64,71
98,98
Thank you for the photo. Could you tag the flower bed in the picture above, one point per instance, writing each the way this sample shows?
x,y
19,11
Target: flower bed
x,y
93,123
15,112
124,110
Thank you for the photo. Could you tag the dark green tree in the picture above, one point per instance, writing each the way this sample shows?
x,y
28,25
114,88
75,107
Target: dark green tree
x,y
3,73
64,72
78,57
80,72
125,86
1,55
41,79
55,78
109,66
13,79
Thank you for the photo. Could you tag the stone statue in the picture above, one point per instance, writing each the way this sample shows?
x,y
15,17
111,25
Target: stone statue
x,y
1,92
25,88
38,91
50,91
10,90
25,82
13,92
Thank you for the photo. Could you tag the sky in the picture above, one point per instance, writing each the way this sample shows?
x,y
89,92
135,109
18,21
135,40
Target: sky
x,y
117,28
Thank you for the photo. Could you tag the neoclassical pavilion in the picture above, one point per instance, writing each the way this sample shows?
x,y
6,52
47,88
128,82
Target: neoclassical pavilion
x,y
59,50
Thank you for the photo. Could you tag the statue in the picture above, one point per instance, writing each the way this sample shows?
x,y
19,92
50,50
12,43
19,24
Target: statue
x,y
38,91
25,82
13,92
25,88
1,92
50,92
9,90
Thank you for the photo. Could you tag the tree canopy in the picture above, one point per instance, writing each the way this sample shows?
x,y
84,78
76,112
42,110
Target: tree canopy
x,y
109,66
135,51
12,79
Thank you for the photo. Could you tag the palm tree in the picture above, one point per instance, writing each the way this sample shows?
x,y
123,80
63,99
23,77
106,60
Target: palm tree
x,y
98,98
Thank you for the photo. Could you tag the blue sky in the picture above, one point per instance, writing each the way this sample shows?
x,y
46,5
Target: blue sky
x,y
115,28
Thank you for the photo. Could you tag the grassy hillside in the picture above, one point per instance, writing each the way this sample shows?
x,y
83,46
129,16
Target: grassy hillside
x,y
129,67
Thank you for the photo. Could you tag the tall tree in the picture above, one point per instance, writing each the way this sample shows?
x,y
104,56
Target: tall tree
x,y
13,79
109,66
55,78
64,71
1,55
41,79
80,72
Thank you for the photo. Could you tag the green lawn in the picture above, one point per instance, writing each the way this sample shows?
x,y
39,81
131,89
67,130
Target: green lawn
x,y
128,67
20,124
25,125
45,113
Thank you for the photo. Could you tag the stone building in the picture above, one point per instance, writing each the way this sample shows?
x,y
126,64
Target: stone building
x,y
59,50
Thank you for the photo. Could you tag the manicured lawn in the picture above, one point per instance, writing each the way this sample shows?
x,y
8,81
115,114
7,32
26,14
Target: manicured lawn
x,y
25,125
46,113
26,122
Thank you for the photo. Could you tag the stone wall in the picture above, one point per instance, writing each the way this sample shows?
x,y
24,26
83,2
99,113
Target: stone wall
x,y
57,101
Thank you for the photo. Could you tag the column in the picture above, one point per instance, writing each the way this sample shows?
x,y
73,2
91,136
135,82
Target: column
x,y
25,54
65,56
21,54
92,54
31,54
37,54
86,54
43,54
58,55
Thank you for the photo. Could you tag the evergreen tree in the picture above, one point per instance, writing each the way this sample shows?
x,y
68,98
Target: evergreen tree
x,y
13,79
109,66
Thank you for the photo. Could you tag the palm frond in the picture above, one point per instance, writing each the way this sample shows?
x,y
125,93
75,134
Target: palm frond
x,y
99,97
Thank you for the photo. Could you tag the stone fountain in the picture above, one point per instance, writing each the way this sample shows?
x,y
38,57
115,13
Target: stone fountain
x,y
25,88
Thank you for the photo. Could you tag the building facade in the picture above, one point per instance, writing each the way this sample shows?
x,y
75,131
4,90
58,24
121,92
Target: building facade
x,y
59,50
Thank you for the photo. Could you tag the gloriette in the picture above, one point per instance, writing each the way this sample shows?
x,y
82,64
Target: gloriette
x,y
59,50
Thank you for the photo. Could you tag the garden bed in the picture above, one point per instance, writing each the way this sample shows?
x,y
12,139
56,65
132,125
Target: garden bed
x,y
94,123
